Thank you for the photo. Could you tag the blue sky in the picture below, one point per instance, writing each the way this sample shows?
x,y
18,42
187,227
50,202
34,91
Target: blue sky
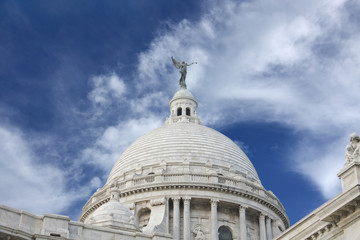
x,y
81,80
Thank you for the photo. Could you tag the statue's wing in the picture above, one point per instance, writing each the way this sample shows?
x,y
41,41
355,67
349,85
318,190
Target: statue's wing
x,y
175,62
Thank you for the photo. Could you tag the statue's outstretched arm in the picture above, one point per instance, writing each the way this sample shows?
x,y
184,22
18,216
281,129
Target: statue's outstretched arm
x,y
191,63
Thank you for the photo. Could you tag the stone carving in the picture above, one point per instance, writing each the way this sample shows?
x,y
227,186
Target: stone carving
x,y
156,202
183,70
199,234
132,206
353,148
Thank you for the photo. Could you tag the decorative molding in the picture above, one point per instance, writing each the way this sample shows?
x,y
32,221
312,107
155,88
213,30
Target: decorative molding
x,y
156,202
243,207
176,199
186,199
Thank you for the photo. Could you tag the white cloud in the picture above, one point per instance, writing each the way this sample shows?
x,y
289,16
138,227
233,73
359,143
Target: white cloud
x,y
115,139
96,182
323,166
243,146
106,87
27,182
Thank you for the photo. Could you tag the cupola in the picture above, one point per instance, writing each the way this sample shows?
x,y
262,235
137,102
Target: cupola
x,y
183,107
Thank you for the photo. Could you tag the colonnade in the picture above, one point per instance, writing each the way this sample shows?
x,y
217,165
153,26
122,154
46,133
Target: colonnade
x,y
265,223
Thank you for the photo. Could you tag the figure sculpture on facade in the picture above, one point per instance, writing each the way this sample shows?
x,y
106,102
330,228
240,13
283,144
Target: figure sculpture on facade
x,y
199,235
353,148
183,70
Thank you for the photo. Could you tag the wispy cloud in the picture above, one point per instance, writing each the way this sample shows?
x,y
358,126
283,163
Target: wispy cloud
x,y
108,147
105,88
30,182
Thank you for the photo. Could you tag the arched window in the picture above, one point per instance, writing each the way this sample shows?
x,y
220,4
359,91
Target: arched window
x,y
188,111
179,111
224,233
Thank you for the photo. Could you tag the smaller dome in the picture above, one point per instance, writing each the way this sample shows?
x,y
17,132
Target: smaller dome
x,y
183,93
114,215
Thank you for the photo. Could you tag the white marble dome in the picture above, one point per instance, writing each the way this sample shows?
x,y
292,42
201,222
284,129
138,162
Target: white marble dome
x,y
184,142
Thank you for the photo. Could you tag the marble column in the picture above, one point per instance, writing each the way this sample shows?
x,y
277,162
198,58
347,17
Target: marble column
x,y
176,218
268,228
214,220
242,218
187,227
262,227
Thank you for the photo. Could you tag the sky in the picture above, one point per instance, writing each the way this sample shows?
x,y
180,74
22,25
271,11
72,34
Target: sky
x,y
81,80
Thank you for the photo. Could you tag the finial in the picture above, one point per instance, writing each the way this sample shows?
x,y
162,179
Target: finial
x,y
183,70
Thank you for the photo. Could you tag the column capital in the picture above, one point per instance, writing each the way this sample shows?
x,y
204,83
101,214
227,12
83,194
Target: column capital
x,y
186,198
176,199
262,215
243,207
214,200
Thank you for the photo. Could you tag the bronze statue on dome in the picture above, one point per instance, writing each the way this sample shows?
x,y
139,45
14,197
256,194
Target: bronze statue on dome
x,y
183,70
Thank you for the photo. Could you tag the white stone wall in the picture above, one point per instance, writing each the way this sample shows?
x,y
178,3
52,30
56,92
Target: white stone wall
x,y
21,224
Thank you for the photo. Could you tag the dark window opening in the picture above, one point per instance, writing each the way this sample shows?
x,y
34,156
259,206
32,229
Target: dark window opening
x,y
179,111
55,235
188,111
224,233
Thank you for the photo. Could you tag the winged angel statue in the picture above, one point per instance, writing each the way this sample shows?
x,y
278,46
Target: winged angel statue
x,y
183,70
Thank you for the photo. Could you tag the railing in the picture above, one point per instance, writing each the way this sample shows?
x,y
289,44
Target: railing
x,y
172,178
200,178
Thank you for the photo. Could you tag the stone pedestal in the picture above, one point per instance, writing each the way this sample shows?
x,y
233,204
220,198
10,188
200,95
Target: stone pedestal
x,y
350,175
